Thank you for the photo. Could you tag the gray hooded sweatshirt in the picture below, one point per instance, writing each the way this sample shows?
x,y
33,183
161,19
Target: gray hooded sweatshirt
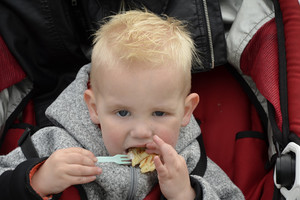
x,y
73,128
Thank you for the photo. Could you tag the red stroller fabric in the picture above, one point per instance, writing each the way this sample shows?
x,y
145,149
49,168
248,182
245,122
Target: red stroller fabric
x,y
291,19
224,110
11,72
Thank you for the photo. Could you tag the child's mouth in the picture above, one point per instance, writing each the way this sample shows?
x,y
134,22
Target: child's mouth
x,y
139,157
138,149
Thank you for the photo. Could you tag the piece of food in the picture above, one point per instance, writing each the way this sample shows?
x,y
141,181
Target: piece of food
x,y
147,165
139,156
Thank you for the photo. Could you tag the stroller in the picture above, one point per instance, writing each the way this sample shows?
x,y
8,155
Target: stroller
x,y
247,87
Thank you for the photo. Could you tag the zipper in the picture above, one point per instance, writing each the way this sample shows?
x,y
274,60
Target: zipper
x,y
212,57
133,184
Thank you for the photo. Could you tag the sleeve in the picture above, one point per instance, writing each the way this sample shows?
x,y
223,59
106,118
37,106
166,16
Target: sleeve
x,y
15,169
195,185
197,188
15,183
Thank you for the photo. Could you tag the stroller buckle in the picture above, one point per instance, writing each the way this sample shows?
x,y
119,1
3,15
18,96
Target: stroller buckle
x,y
287,172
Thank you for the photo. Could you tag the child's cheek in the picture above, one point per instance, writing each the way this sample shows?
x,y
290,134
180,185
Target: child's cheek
x,y
112,141
169,138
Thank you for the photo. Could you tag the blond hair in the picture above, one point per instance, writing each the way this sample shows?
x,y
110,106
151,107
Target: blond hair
x,y
140,36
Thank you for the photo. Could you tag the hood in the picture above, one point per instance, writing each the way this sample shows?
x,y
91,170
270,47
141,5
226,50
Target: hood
x,y
70,113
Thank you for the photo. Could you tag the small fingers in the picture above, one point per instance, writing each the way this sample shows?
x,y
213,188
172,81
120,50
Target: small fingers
x,y
74,155
151,146
82,152
77,174
167,152
79,170
76,180
160,168
76,158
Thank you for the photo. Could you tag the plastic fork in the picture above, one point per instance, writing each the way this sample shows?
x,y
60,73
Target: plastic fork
x,y
119,159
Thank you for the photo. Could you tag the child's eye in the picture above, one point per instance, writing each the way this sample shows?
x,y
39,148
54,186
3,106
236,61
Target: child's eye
x,y
123,113
159,113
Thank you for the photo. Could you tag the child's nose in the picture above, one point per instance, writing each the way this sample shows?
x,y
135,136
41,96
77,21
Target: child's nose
x,y
141,130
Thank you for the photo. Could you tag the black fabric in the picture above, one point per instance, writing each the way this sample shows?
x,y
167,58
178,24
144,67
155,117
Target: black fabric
x,y
282,73
15,183
156,6
81,191
22,126
26,144
202,163
51,40
276,194
277,135
42,101
201,26
217,32
281,138
196,186
251,134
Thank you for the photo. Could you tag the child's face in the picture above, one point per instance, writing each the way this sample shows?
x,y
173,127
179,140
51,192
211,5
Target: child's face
x,y
133,105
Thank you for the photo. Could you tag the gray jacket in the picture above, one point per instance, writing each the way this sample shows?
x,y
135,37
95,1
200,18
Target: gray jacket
x,y
73,128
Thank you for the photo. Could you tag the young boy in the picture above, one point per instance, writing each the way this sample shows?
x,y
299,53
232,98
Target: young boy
x,y
135,93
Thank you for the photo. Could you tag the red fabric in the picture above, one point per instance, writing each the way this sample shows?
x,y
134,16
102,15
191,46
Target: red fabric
x,y
291,20
10,141
154,193
11,72
249,167
71,193
224,110
260,61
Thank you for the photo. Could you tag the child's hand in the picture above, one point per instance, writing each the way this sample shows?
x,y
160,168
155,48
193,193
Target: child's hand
x,y
64,168
173,175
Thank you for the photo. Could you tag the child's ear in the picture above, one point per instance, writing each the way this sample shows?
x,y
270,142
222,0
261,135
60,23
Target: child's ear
x,y
191,102
90,101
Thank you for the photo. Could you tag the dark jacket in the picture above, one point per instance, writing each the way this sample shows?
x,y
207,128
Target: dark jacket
x,y
51,40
